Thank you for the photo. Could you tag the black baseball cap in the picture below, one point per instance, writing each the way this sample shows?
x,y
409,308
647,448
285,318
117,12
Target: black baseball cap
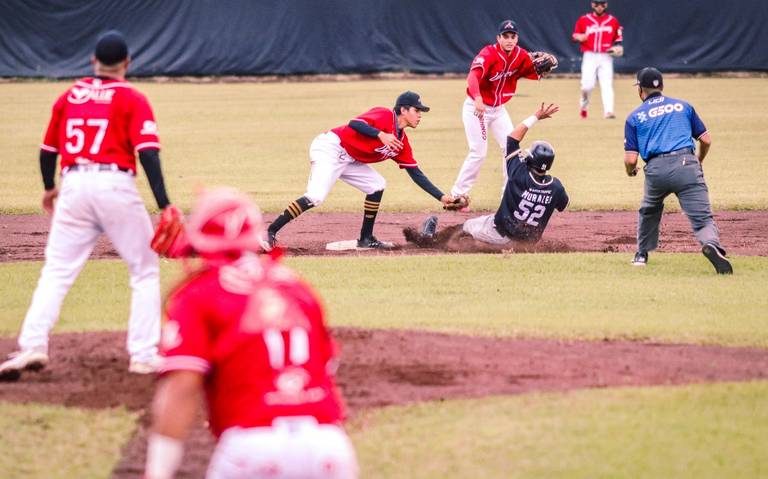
x,y
599,1
650,77
507,26
410,98
111,48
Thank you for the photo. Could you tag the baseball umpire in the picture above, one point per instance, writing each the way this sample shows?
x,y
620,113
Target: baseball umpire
x,y
661,130
97,126
346,152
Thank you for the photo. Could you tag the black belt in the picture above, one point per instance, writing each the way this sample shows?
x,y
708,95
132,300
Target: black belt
x,y
97,167
681,151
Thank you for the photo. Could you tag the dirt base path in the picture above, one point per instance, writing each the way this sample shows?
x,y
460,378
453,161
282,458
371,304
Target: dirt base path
x,y
384,367
743,233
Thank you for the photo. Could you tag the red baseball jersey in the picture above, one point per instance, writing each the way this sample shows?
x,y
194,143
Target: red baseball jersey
x,y
371,150
500,72
257,332
602,32
101,121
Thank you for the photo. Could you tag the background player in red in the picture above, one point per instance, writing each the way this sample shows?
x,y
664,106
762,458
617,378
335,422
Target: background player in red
x,y
97,126
251,334
491,82
600,36
346,152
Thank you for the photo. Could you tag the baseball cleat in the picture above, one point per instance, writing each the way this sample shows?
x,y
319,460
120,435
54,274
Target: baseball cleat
x,y
429,227
716,256
640,259
25,360
583,114
145,366
373,243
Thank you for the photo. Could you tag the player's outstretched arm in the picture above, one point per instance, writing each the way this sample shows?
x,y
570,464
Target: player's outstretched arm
x,y
545,111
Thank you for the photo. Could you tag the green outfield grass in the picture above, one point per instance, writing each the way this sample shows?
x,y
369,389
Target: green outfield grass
x,y
53,442
256,137
704,431
589,296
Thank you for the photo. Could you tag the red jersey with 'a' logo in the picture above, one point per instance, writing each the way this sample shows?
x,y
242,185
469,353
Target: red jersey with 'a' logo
x,y
500,72
256,331
366,149
101,121
602,32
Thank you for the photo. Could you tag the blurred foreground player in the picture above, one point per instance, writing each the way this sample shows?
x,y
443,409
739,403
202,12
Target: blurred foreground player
x,y
247,331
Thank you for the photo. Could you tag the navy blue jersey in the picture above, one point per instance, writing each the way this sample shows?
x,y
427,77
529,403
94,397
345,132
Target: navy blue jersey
x,y
529,200
661,125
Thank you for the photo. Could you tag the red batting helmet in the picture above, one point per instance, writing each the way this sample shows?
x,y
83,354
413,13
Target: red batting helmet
x,y
224,220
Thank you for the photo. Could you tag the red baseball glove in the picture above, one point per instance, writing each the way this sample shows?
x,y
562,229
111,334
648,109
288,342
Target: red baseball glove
x,y
170,239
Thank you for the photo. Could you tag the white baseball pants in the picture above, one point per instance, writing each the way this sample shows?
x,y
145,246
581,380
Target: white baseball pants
x,y
497,121
330,162
483,229
89,203
293,448
597,66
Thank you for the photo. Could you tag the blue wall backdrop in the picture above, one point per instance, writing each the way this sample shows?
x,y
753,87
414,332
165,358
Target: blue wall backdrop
x,y
47,38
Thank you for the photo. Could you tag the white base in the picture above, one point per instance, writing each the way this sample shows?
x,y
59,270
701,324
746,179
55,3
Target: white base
x,y
345,245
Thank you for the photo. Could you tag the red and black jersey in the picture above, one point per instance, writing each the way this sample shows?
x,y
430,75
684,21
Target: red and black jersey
x,y
366,149
101,121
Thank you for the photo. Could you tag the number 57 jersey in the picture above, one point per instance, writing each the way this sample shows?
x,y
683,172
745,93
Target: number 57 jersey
x,y
255,331
528,201
101,121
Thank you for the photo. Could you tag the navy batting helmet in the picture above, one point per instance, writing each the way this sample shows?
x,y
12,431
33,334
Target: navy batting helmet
x,y
540,156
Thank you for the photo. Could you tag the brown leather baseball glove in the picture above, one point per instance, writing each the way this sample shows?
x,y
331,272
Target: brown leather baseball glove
x,y
459,202
543,62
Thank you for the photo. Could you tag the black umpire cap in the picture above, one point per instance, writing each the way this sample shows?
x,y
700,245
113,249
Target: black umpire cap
x,y
507,26
649,77
111,48
409,99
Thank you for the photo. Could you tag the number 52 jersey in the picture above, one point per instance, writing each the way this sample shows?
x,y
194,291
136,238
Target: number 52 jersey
x,y
101,121
528,202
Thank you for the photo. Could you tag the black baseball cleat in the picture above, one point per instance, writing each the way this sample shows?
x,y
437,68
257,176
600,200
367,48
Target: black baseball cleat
x,y
716,256
640,259
429,227
372,242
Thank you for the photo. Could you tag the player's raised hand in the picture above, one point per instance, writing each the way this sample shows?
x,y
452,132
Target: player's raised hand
x,y
48,198
391,141
546,111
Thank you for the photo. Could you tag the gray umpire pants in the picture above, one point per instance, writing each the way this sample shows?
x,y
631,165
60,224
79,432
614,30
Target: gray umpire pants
x,y
683,176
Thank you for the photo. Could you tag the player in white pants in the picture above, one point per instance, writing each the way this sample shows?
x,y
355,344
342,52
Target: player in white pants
x,y
599,36
97,126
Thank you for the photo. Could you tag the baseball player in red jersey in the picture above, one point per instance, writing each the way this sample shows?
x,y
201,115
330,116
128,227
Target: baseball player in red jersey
x,y
491,82
97,126
250,334
346,153
600,36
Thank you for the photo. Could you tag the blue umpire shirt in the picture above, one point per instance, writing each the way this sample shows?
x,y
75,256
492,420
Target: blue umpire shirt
x,y
662,125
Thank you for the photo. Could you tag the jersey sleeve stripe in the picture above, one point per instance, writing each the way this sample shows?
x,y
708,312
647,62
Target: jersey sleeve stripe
x,y
147,145
52,149
705,132
186,363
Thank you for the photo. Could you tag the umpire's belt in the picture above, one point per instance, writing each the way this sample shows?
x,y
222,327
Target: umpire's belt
x,y
97,167
681,151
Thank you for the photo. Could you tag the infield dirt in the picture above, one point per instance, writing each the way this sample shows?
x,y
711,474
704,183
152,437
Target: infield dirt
x,y
387,367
